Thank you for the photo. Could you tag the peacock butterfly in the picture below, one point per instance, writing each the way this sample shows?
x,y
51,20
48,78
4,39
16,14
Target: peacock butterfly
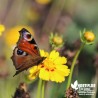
x,y
26,54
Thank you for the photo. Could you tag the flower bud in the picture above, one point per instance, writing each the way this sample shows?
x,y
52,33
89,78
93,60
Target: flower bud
x,y
58,40
89,36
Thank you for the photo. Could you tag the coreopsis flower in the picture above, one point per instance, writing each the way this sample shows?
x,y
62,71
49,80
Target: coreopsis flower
x,y
53,68
87,37
12,35
2,28
56,40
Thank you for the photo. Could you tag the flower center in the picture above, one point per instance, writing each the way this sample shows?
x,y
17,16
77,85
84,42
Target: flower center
x,y
48,64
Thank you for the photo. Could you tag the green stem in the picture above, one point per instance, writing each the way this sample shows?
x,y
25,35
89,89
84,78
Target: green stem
x,y
39,88
73,65
43,89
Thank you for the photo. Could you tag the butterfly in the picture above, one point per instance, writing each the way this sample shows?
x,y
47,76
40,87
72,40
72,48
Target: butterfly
x,y
26,53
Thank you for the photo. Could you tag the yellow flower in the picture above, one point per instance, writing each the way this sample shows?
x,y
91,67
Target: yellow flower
x,y
53,68
12,35
2,28
43,1
89,36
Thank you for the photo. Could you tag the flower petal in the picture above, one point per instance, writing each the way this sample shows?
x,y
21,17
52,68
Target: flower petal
x,y
63,72
33,72
33,69
63,69
32,77
60,60
43,53
55,76
53,55
44,74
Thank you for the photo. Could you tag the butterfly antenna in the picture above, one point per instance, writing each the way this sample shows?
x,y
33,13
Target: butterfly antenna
x,y
17,72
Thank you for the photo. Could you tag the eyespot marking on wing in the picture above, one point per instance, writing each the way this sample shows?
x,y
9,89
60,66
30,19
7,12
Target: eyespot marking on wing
x,y
20,52
27,36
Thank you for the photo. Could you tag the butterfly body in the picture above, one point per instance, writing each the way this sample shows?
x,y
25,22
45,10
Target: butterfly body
x,y
26,54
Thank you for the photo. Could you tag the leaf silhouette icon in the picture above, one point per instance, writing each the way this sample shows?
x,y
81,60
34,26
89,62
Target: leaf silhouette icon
x,y
75,85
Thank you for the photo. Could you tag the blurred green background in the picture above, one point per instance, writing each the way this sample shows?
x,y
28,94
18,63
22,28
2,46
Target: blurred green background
x,y
41,17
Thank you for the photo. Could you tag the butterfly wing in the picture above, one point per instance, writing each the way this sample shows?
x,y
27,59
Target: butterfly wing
x,y
25,61
27,43
26,53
